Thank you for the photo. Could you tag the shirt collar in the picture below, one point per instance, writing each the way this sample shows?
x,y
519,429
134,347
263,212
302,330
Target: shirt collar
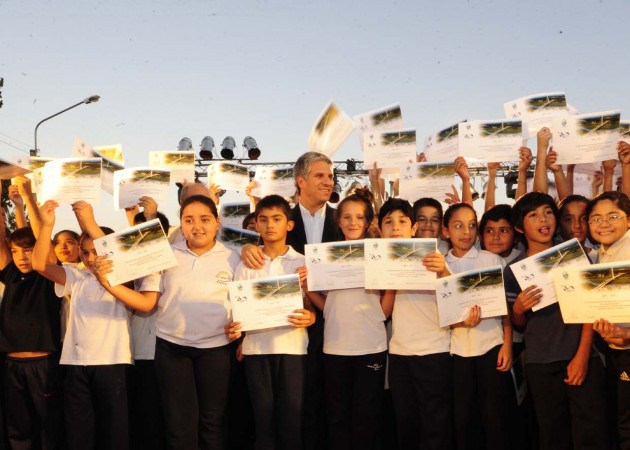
x,y
181,245
290,254
473,253
614,248
321,212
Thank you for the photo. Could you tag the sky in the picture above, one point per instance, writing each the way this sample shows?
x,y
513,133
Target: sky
x,y
166,69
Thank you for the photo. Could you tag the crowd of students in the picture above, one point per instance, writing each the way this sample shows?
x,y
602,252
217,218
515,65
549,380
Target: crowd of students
x,y
160,363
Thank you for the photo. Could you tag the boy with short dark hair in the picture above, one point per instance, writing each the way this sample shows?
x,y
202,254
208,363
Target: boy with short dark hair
x,y
29,336
564,376
420,372
274,358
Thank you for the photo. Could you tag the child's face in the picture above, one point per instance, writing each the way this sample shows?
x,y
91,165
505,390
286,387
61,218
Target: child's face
x,y
462,231
22,257
273,225
66,248
251,225
429,222
397,225
498,237
352,220
573,222
199,226
608,232
539,225
88,253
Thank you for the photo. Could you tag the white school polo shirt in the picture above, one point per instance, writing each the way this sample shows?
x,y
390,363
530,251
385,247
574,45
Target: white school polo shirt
x,y
619,251
98,324
282,340
415,326
143,323
354,322
194,306
478,340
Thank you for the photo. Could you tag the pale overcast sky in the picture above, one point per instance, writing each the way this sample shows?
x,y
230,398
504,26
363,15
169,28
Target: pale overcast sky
x,y
169,69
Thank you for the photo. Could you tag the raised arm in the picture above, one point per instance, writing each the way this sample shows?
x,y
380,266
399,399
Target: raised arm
x,y
558,175
85,217
525,160
5,251
541,183
461,168
140,301
491,186
44,260
18,203
609,173
623,151
24,189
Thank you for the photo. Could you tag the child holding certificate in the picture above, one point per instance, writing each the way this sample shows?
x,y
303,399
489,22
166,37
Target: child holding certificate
x,y
609,225
481,348
564,376
420,372
274,358
97,346
355,345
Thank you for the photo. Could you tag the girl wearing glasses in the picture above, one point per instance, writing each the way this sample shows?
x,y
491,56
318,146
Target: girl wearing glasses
x,y
608,224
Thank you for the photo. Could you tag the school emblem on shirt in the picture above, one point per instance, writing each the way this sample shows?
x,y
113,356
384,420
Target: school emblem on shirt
x,y
223,277
375,367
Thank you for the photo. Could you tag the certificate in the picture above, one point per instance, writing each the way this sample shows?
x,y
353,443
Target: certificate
x,y
624,131
331,129
69,180
458,293
418,180
536,111
265,302
231,215
443,145
236,238
82,150
136,252
389,149
273,180
384,119
586,138
112,161
131,184
335,265
536,269
491,140
397,264
8,170
33,163
589,293
180,163
228,175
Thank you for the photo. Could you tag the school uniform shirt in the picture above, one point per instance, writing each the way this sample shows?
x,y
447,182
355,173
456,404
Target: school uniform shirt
x,y
547,338
354,322
29,313
98,324
143,323
281,340
619,251
415,325
194,305
488,333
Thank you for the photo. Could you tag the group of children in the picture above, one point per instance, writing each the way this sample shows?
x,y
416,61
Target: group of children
x,y
450,387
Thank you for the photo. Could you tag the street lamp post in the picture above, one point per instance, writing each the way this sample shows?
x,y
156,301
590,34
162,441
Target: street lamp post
x,y
91,99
